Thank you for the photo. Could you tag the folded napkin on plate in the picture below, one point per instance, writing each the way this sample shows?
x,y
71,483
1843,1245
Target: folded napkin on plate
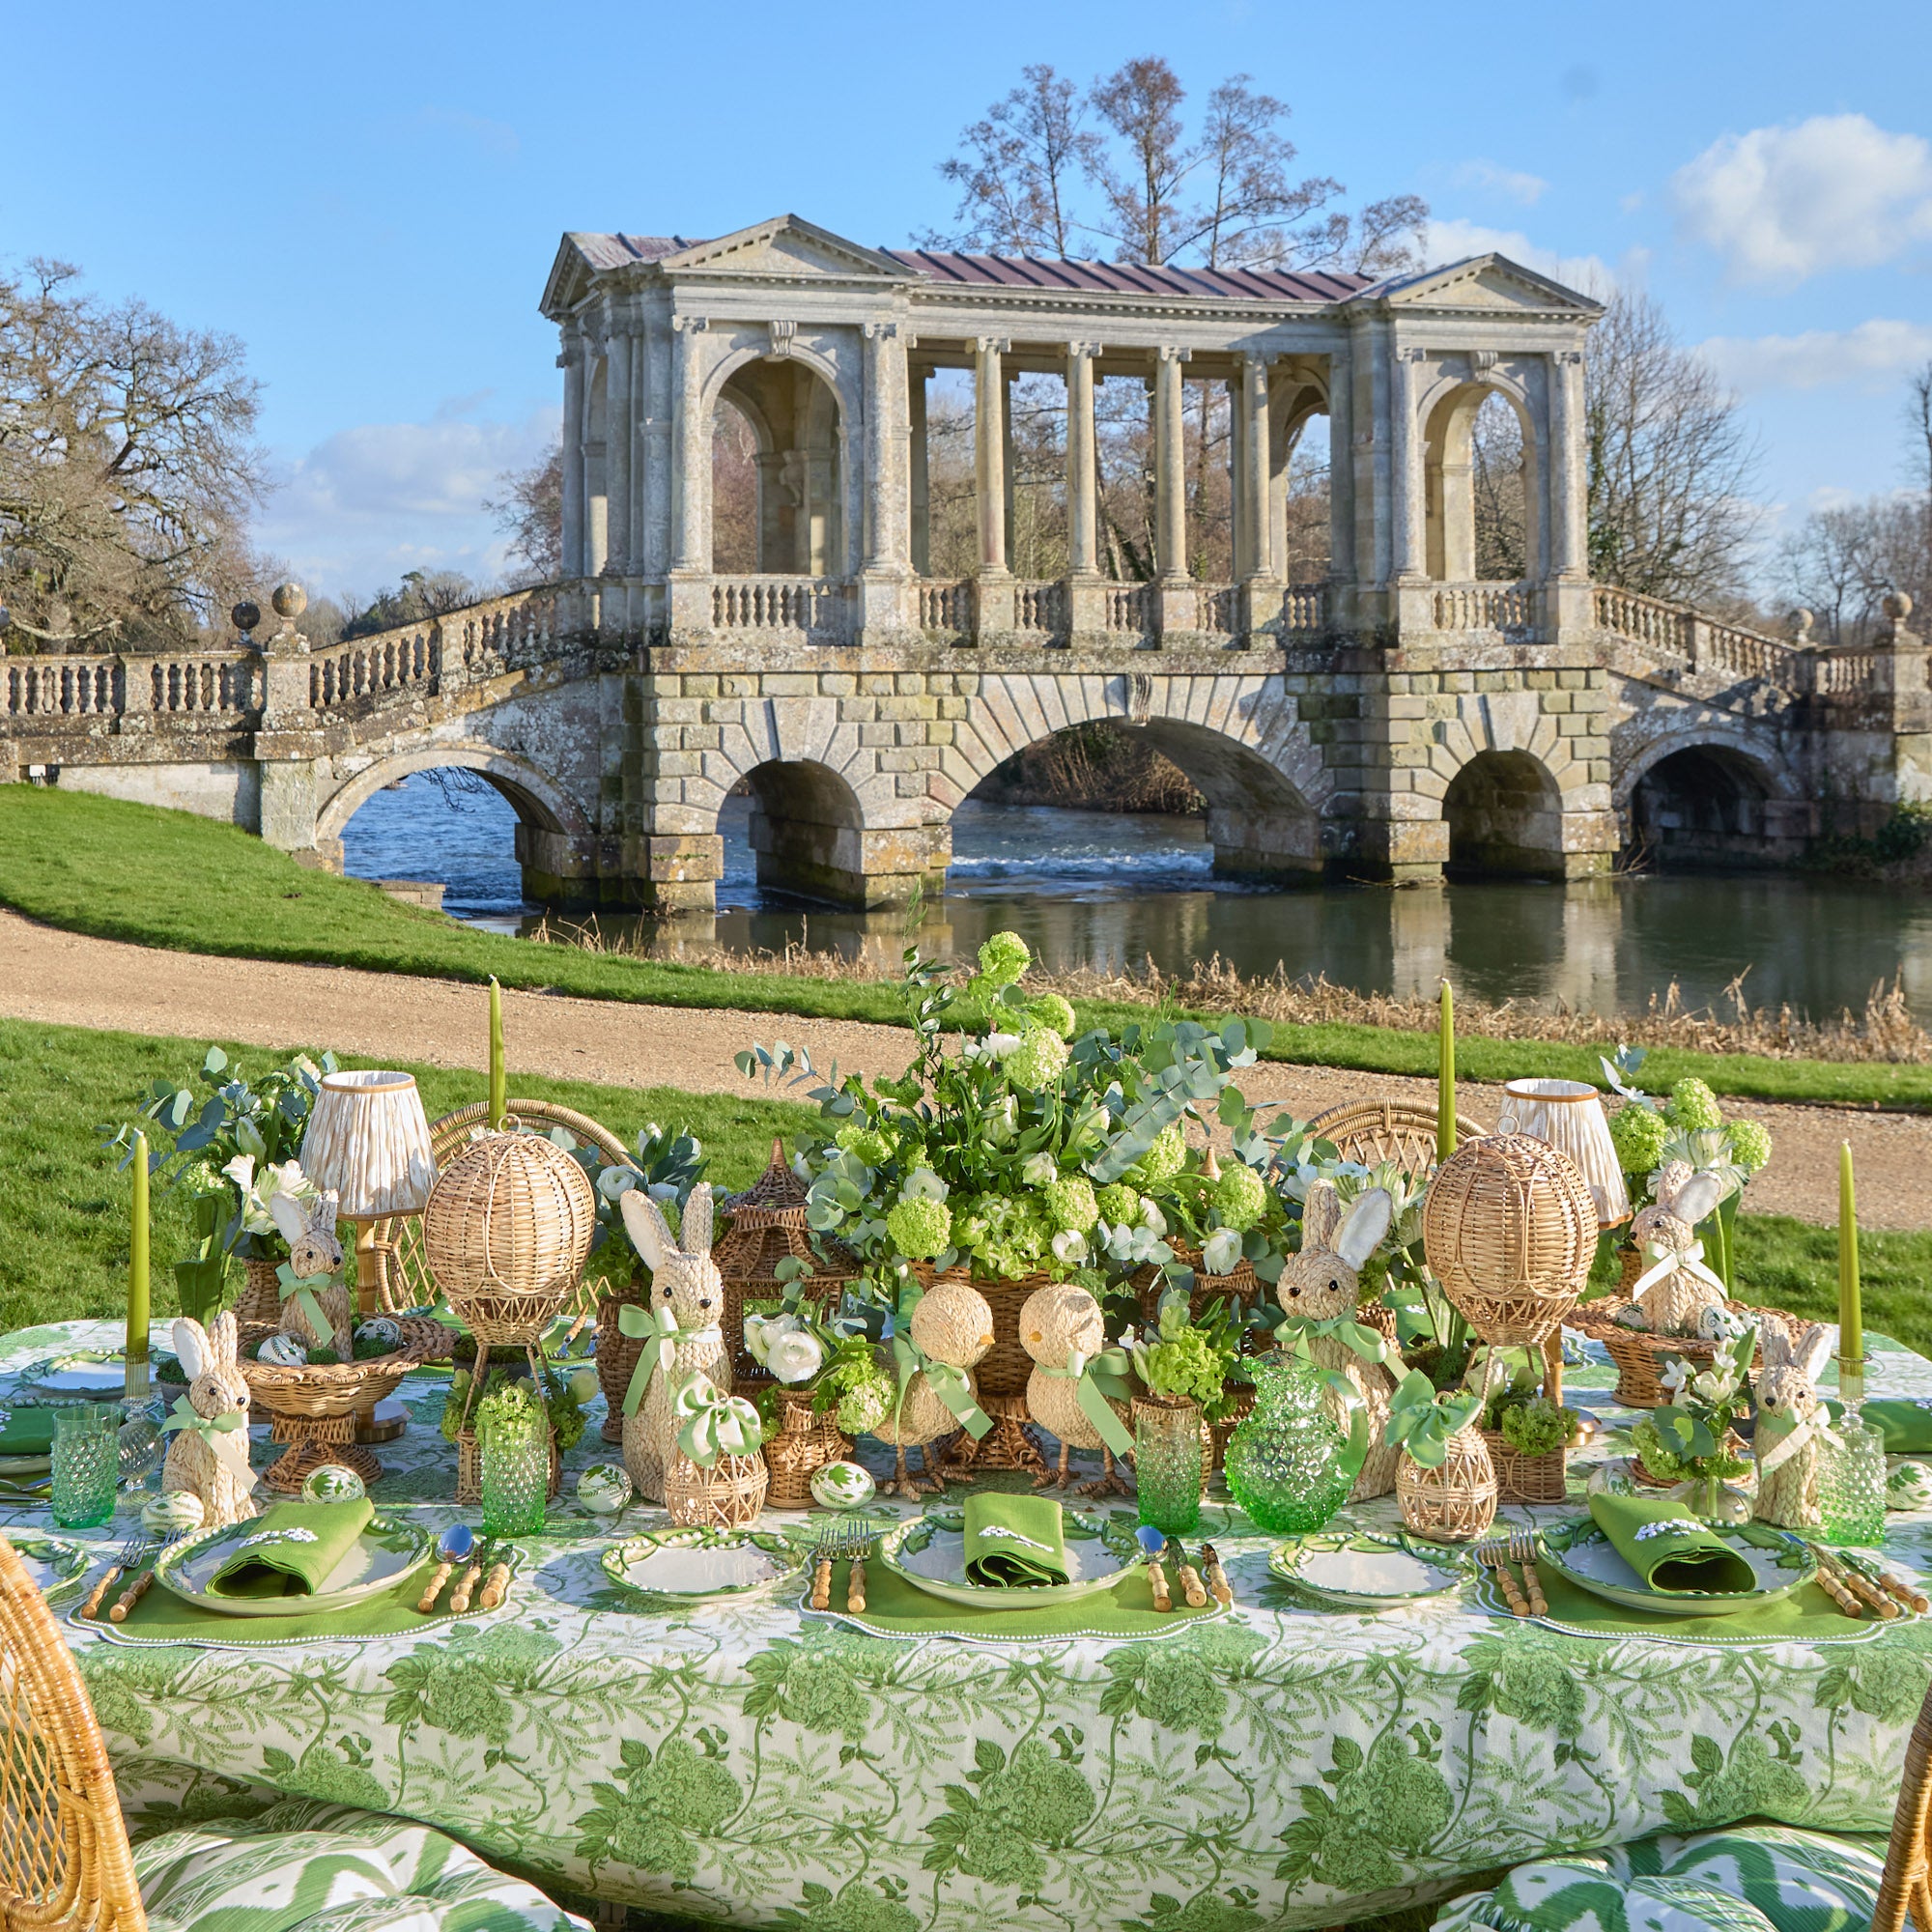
x,y
1668,1547
28,1432
1904,1421
1013,1541
289,1551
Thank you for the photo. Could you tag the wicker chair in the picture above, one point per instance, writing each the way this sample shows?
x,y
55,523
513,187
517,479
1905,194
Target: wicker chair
x,y
66,1864
1371,1131
399,1240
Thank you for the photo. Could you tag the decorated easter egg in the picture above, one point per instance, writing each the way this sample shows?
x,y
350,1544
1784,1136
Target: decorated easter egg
x,y
842,1486
283,1351
583,1386
1908,1486
379,1329
1721,1325
604,1489
172,1514
331,1482
1614,1478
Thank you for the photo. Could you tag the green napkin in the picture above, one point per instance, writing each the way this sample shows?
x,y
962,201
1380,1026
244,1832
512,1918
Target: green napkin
x,y
1668,1547
28,1432
1013,1541
1904,1421
290,1550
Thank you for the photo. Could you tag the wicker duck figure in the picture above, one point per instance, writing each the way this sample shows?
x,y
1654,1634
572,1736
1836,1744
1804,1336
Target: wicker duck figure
x,y
951,1328
1064,1330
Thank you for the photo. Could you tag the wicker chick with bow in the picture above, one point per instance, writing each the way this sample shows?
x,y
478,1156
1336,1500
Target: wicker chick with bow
x,y
1078,1389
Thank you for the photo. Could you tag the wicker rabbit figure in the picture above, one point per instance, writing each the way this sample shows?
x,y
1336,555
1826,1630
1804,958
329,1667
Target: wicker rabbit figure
x,y
1676,1288
1057,1324
1786,1441
952,1325
1320,1284
309,1229
212,1464
685,1280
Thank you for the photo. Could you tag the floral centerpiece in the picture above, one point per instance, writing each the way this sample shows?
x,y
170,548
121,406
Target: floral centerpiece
x,y
1690,1444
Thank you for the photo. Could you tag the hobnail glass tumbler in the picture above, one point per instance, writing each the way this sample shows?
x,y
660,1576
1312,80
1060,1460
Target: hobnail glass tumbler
x,y
1167,1463
1851,1483
1285,1459
514,1475
86,1464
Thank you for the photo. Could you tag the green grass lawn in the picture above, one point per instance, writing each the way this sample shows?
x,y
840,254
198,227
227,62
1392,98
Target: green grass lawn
x,y
169,879
64,1210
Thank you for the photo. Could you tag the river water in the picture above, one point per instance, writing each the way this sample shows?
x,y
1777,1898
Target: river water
x,y
1103,890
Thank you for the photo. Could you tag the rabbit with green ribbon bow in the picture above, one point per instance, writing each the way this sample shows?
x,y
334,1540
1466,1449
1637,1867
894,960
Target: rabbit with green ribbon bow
x,y
681,1329
208,1457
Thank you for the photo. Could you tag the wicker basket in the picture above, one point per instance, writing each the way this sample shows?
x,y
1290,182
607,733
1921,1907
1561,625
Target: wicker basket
x,y
617,1352
1373,1132
506,1233
1510,1228
1527,1479
470,1468
728,1497
1149,1284
259,1305
802,1446
1735,1447
1455,1503
1641,1356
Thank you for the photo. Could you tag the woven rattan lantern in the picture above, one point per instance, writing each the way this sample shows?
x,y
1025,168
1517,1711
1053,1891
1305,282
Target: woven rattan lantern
x,y
506,1233
1510,1230
1455,1503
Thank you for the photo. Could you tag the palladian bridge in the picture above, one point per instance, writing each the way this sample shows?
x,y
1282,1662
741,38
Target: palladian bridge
x,y
1395,717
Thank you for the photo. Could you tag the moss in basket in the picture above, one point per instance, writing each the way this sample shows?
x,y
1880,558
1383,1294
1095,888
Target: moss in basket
x,y
324,1358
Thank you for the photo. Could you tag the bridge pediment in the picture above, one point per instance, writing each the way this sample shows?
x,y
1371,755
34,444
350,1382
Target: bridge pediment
x,y
785,248
1491,282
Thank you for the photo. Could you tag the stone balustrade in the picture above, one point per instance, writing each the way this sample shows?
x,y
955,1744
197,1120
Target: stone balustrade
x,y
1484,607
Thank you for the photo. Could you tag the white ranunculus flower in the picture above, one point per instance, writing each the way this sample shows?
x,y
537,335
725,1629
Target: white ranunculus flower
x,y
1154,1220
762,1331
1070,1247
795,1357
1039,1169
662,1190
613,1183
923,1184
1221,1251
1001,1125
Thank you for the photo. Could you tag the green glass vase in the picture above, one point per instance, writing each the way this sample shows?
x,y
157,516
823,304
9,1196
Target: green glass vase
x,y
1168,1463
1285,1459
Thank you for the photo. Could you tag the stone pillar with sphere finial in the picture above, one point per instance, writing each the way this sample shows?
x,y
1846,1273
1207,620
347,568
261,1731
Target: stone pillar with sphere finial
x,y
287,744
1899,675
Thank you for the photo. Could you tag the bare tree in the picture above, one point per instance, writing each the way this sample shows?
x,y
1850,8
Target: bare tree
x,y
1671,462
1841,563
1496,487
530,514
128,466
734,494
1918,425
1019,170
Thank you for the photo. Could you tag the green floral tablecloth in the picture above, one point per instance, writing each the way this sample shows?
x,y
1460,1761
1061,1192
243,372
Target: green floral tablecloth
x,y
743,1764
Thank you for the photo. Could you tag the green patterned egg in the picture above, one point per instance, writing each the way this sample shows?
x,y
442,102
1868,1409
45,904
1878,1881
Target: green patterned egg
x,y
331,1482
604,1489
283,1351
379,1329
842,1486
168,1515
1908,1486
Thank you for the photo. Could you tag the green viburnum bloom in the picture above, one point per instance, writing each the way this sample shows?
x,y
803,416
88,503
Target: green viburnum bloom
x,y
1750,1145
1242,1198
1638,1134
861,1409
867,1143
1167,1156
1119,1205
1039,1061
1693,1106
1003,958
919,1229
1070,1204
1050,1010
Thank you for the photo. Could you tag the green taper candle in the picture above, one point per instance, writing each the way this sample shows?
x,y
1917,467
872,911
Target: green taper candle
x,y
138,1268
1445,1098
1851,1314
500,1079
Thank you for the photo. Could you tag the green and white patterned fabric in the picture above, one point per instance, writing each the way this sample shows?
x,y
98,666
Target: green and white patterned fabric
x,y
308,1867
1758,1878
740,1763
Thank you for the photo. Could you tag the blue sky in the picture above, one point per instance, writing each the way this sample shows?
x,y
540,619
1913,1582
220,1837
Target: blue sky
x,y
370,196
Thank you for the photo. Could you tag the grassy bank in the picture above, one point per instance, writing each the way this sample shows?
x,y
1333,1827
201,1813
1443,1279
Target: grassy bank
x,y
63,1209
172,880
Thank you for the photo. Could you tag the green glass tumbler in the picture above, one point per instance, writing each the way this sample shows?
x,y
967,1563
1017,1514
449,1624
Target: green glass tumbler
x,y
514,1474
86,1464
1168,1456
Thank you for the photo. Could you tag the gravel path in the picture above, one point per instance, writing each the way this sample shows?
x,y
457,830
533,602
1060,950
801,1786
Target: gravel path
x,y
72,980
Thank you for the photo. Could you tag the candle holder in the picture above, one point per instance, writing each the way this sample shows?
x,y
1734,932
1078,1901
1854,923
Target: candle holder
x,y
1852,1472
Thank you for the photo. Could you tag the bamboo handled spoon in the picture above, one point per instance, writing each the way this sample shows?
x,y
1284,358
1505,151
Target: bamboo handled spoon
x,y
451,1547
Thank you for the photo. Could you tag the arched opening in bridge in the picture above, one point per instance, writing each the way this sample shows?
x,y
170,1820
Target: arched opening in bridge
x,y
778,473
796,829
1505,815
1480,487
1703,806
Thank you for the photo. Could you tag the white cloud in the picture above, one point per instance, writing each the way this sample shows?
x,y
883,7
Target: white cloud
x,y
1445,241
370,502
1496,179
1782,203
1873,355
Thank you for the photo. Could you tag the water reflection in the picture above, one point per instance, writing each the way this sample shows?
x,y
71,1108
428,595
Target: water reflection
x,y
1106,890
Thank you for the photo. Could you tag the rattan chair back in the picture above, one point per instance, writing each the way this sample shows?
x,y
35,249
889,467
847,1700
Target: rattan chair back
x,y
1907,1884
404,1281
65,1866
1373,1132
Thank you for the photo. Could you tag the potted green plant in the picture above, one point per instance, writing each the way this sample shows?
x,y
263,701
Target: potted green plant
x,y
1691,1444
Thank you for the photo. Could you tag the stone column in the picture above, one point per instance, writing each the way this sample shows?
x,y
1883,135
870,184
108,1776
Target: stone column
x,y
1084,593
617,438
1340,485
1008,460
917,472
994,593
882,587
571,362
1175,595
1239,555
1568,598
1261,587
691,463
1404,482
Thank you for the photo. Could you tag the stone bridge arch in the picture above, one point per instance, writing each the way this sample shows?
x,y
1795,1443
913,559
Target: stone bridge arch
x,y
1712,792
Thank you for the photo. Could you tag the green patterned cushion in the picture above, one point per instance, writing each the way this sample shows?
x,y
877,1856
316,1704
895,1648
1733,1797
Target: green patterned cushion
x,y
1752,1878
311,1867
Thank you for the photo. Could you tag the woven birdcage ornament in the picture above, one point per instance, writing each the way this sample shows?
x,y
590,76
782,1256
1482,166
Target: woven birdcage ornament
x,y
1509,1227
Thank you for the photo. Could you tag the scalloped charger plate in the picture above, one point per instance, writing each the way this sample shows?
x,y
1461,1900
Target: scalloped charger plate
x,y
1582,1554
381,1557
931,1554
700,1566
1364,1570
56,1564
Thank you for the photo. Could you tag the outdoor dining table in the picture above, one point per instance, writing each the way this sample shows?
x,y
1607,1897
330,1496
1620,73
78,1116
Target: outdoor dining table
x,y
748,1763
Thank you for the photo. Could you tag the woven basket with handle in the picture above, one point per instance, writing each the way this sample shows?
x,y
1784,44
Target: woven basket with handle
x,y
804,1443
1373,1132
1455,1503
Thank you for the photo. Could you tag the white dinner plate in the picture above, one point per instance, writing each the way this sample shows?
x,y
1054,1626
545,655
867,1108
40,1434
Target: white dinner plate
x,y
381,1557
1363,1571
698,1566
